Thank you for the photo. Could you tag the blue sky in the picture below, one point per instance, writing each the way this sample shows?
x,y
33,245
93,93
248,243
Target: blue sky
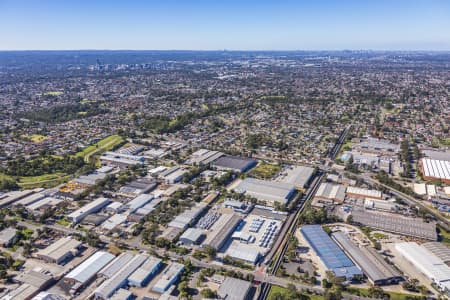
x,y
231,24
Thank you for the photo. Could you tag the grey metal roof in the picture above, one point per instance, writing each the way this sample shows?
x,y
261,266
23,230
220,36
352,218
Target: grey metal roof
x,y
439,249
86,270
266,190
116,264
234,289
237,163
297,175
369,262
393,223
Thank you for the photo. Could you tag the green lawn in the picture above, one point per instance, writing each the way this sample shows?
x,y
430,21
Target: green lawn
x,y
53,93
46,180
265,170
278,289
392,295
105,144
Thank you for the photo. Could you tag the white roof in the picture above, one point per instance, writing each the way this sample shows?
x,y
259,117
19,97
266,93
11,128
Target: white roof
x,y
428,263
243,253
363,192
420,188
436,168
114,221
86,270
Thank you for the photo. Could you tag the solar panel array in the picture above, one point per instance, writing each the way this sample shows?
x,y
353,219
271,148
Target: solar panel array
x,y
328,251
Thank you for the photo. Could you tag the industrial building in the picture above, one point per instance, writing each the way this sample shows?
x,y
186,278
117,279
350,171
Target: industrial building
x,y
329,193
8,236
299,176
244,254
121,160
139,186
377,270
61,250
234,289
396,224
85,272
138,202
169,277
439,249
203,157
192,236
28,200
433,169
11,197
188,217
264,190
122,294
89,208
41,205
357,192
114,221
234,163
118,263
427,263
120,278
377,146
172,175
144,273
333,258
222,230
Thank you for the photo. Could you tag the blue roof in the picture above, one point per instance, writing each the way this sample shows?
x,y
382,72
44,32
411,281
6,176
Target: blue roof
x,y
329,252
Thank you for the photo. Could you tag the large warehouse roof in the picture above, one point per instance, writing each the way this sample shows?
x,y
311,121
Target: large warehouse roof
x,y
439,249
86,270
234,289
428,263
265,190
236,163
59,249
392,223
330,254
116,264
436,168
372,264
299,176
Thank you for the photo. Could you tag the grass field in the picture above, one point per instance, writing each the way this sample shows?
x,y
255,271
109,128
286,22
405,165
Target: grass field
x,y
392,295
105,144
46,180
53,93
35,138
265,170
278,289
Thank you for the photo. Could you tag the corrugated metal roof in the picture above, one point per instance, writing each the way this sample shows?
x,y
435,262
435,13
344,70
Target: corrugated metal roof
x,y
86,270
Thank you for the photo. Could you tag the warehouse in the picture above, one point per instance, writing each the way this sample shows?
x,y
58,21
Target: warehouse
x,y
121,160
330,193
122,294
85,272
144,273
188,217
118,263
440,250
299,176
244,254
169,277
204,157
380,205
139,186
234,289
221,230
60,251
114,221
30,199
371,263
43,204
433,169
329,253
138,202
427,263
234,163
377,146
396,224
89,208
269,191
192,236
8,236
11,197
357,192
119,279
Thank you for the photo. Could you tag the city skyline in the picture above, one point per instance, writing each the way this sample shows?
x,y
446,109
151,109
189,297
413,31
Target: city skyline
x,y
201,25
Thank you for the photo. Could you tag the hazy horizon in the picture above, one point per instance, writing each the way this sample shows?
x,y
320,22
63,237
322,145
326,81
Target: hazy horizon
x,y
233,25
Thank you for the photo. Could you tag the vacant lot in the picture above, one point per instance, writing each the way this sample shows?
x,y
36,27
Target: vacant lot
x,y
105,144
265,170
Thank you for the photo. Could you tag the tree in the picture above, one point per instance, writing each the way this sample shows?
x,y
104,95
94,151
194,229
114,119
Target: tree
x,y
376,292
208,293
